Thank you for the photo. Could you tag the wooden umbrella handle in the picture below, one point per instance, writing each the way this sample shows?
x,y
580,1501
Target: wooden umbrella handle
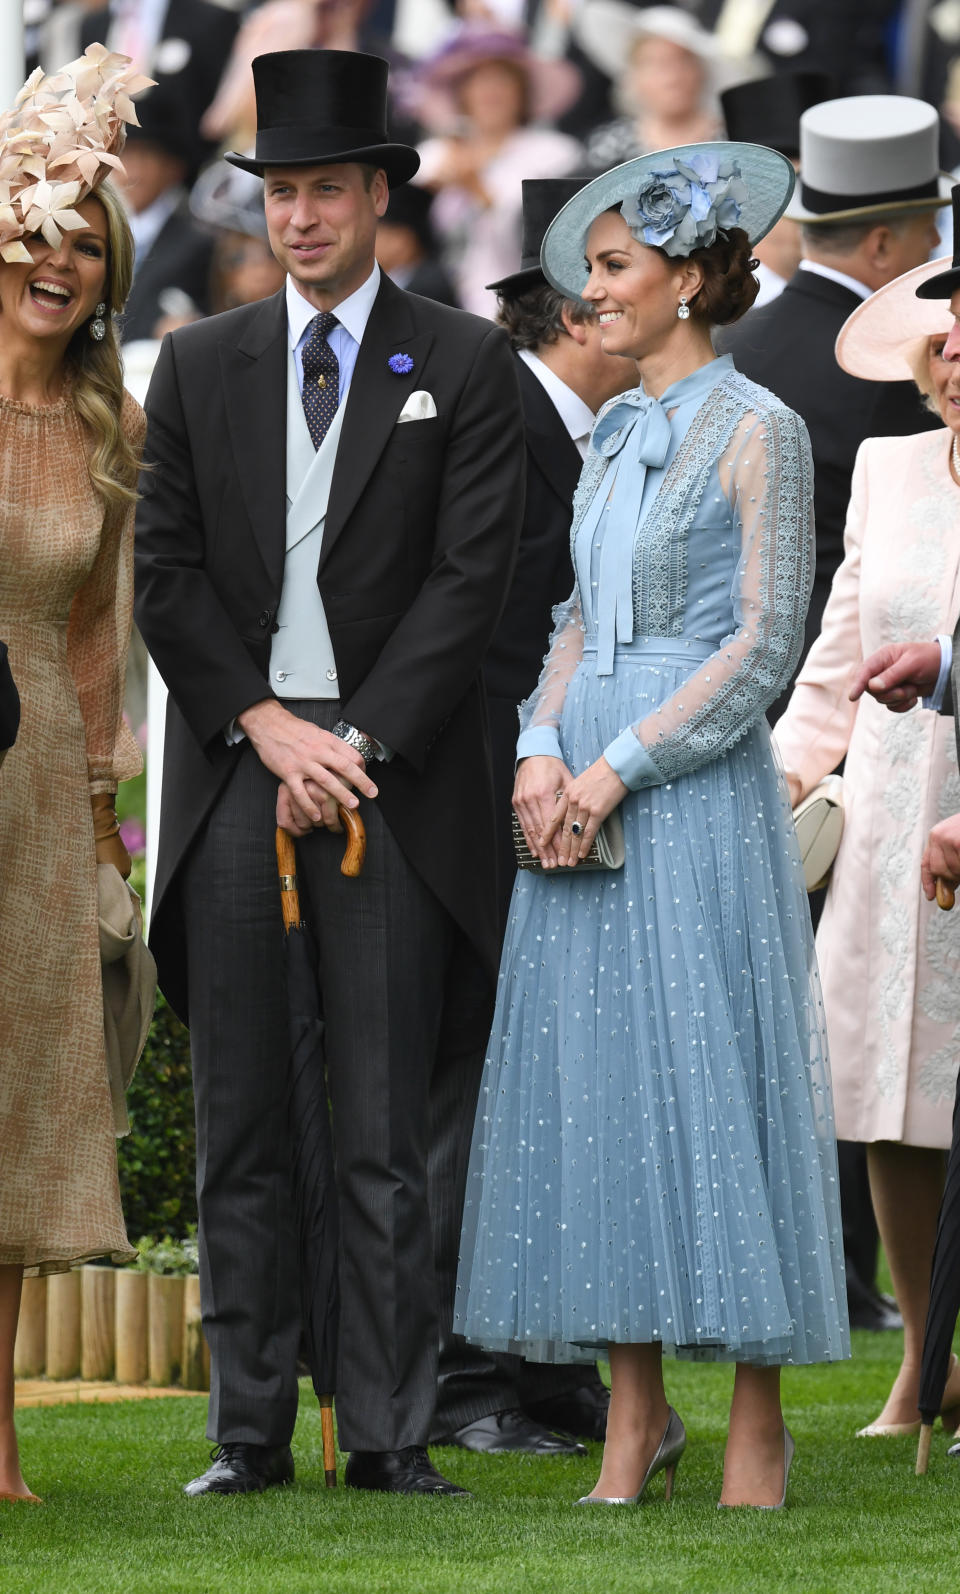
x,y
356,848
945,895
354,854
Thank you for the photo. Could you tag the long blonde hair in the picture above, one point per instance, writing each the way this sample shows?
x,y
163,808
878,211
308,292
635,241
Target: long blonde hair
x,y
96,369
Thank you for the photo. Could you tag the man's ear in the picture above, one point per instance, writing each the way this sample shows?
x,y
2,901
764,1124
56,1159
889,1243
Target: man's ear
x,y
574,329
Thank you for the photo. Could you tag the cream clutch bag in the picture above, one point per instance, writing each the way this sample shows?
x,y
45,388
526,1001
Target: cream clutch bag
x,y
608,850
819,822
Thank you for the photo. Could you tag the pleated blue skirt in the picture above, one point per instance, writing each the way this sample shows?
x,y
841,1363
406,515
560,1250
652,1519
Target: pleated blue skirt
x,y
654,1155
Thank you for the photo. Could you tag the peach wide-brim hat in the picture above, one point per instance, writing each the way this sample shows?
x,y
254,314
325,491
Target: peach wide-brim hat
x,y
878,341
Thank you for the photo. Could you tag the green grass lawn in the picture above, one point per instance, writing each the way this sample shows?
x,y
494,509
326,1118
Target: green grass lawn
x,y
858,1521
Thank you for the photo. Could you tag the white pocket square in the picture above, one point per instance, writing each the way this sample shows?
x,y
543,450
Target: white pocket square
x,y
419,407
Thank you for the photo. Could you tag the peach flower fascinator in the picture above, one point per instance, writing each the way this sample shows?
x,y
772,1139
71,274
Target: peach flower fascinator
x,y
60,140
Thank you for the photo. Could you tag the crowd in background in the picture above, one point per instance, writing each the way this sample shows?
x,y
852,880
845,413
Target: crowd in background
x,y
492,91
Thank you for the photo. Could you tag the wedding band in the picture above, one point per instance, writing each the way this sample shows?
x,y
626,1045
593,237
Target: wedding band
x,y
558,794
576,829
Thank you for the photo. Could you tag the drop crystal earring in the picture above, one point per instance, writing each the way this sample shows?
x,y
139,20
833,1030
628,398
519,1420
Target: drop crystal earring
x,y
683,309
98,326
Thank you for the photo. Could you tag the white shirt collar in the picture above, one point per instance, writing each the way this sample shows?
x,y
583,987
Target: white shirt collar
x,y
577,417
147,225
853,283
353,313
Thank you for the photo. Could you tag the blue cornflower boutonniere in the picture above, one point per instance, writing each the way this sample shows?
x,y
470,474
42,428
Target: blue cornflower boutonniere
x,y
400,364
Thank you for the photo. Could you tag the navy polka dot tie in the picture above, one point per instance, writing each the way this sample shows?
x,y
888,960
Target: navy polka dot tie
x,y
321,377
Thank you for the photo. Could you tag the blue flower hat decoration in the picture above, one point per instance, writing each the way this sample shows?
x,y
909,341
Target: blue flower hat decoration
x,y
673,199
400,364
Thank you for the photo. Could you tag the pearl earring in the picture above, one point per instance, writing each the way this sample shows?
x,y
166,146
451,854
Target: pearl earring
x,y
683,309
98,327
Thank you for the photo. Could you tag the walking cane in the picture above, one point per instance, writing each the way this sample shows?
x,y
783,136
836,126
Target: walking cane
x,y
312,1146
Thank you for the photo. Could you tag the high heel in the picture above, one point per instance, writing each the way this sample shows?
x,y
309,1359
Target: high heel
x,y
788,1453
666,1460
949,1418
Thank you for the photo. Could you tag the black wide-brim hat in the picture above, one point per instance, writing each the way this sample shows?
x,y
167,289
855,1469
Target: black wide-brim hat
x,y
542,198
324,108
945,284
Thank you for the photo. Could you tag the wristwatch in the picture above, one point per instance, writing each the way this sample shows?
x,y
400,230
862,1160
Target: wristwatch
x,y
365,745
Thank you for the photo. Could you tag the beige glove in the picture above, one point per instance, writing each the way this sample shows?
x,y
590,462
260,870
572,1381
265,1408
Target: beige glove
x,y
106,832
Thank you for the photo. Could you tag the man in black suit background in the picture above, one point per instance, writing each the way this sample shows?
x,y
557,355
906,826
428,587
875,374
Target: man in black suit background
x,y
565,377
867,200
499,1403
173,254
854,153
329,519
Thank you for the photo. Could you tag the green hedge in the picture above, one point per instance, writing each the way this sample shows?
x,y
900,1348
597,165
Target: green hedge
x,y
158,1157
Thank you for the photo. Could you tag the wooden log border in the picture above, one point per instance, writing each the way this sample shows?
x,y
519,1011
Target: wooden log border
x,y
102,1323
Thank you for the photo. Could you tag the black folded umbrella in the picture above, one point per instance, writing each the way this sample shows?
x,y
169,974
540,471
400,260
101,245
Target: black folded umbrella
x,y
315,1192
944,1299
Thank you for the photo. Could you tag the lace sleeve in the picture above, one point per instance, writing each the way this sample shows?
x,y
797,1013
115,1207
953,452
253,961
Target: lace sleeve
x,y
766,474
540,714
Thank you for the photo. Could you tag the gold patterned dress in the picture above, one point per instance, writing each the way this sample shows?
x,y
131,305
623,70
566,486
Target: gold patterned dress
x,y
66,591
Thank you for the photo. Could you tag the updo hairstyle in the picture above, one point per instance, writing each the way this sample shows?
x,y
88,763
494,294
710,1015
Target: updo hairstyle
x,y
729,285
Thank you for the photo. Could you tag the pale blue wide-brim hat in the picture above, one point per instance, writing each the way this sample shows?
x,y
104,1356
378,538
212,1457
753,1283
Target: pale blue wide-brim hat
x,y
762,187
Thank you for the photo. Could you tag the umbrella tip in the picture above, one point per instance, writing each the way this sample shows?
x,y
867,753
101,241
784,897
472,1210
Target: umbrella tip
x,y
923,1448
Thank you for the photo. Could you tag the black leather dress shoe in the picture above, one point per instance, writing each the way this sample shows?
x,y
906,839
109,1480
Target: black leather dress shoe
x,y
580,1411
511,1431
240,1468
406,1471
870,1309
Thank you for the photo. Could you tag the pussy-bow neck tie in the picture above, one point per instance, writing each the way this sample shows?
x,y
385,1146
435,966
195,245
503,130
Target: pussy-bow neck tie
x,y
634,431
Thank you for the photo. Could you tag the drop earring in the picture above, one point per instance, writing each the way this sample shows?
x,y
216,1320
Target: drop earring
x,y
98,327
683,309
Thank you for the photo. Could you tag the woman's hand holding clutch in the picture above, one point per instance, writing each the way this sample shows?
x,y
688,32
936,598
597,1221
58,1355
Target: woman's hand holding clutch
x,y
538,796
581,810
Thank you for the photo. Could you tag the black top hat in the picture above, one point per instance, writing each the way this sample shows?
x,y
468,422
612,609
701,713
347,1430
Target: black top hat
x,y
411,207
160,121
543,197
945,284
768,109
321,108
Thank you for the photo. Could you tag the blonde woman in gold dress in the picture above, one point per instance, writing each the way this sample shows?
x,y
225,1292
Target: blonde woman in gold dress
x,y
70,438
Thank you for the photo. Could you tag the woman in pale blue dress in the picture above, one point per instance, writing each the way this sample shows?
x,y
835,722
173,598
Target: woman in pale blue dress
x,y
654,1162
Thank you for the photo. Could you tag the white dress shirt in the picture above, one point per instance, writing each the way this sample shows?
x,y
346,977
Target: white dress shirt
x,y
577,417
352,313
935,700
147,225
845,281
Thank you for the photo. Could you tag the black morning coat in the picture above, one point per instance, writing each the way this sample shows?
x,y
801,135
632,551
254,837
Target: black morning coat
x,y
418,548
788,346
543,578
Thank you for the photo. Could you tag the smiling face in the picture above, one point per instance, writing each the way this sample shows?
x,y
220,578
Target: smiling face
x,y
61,288
636,291
322,225
943,362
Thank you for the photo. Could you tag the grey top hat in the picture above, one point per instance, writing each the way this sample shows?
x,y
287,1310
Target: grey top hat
x,y
866,154
730,185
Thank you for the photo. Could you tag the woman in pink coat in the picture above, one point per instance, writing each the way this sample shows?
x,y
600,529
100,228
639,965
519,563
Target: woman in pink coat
x,y
889,960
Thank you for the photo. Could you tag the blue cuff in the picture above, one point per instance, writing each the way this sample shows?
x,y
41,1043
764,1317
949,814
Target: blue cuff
x,y
935,700
629,759
540,741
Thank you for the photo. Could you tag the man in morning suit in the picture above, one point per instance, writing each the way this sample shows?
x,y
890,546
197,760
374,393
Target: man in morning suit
x,y
330,512
855,155
501,1403
866,200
